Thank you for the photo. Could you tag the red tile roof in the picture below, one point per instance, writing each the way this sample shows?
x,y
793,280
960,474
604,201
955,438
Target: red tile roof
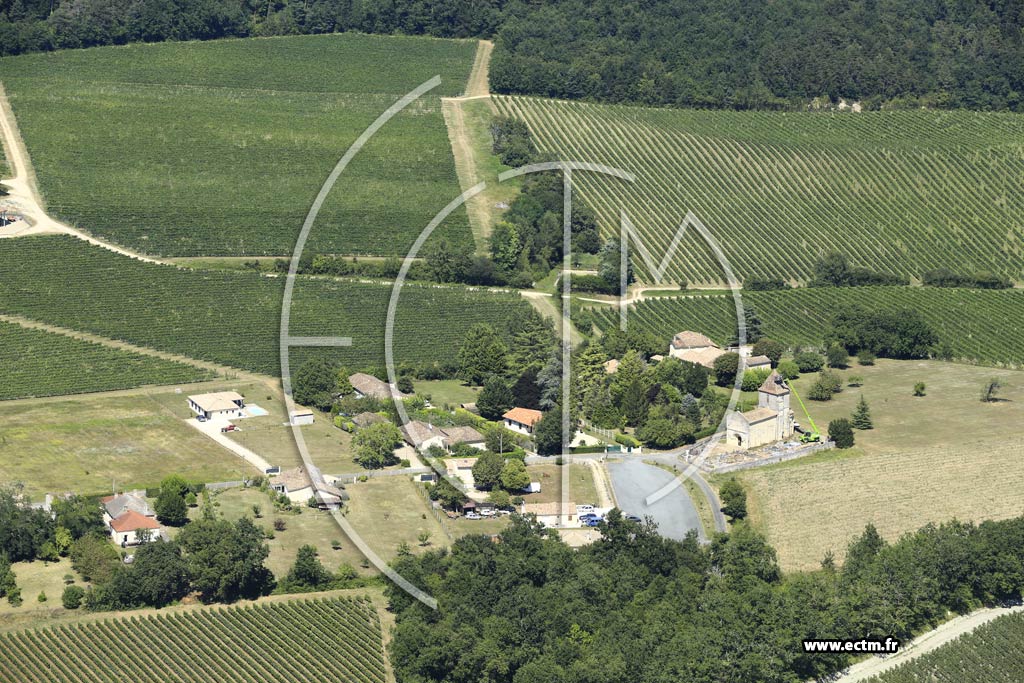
x,y
526,416
132,520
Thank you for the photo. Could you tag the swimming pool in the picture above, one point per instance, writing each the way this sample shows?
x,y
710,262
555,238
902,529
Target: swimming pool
x,y
255,411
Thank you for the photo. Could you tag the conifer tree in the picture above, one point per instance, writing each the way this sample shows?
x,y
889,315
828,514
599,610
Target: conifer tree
x,y
862,415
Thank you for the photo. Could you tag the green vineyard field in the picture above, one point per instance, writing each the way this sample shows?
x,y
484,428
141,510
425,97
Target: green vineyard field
x,y
992,653
902,191
219,148
986,326
231,317
38,363
337,639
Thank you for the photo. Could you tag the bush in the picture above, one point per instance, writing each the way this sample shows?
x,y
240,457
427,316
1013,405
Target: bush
x,y
788,369
72,597
828,383
841,432
626,440
808,361
865,357
919,389
753,379
279,524
837,356
42,596
769,347
734,499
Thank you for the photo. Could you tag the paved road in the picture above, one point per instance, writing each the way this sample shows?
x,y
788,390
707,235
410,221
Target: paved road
x,y
633,481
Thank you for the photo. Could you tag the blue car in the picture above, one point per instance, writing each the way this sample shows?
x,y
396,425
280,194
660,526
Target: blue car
x,y
594,522
587,517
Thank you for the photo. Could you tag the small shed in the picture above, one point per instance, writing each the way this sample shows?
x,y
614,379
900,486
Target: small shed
x,y
298,418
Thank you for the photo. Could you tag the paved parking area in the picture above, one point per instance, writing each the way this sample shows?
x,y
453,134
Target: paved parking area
x,y
634,481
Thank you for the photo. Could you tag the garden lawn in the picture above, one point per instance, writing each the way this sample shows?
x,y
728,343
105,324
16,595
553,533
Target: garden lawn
x,y
935,458
88,444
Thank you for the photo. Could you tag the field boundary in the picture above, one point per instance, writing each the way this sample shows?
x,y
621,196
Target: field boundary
x,y
238,373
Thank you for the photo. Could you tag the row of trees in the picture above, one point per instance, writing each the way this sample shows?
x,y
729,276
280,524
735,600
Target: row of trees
x,y
544,612
733,54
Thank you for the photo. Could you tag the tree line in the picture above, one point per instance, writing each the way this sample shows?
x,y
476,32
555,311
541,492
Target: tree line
x,y
634,606
733,54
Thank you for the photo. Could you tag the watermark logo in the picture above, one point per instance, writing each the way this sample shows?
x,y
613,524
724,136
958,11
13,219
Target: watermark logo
x,y
629,236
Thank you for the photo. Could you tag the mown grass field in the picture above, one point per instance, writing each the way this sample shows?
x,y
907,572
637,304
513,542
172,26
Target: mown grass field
x,y
992,653
233,317
37,363
387,512
219,148
928,459
980,325
901,191
88,444
335,638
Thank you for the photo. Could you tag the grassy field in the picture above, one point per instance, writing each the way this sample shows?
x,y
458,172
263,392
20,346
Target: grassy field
x,y
929,459
232,317
334,638
309,527
89,443
444,392
34,578
992,653
39,363
979,325
387,512
904,191
581,484
267,121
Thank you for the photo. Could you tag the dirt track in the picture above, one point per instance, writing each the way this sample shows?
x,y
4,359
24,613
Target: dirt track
x,y
24,197
924,643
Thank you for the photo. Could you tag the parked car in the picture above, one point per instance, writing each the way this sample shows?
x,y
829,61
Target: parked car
x,y
201,418
487,512
633,518
584,509
594,522
228,428
589,516
473,515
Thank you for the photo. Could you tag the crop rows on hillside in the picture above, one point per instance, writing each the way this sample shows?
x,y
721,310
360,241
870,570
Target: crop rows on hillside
x,y
980,325
219,148
234,317
902,191
992,653
295,641
38,363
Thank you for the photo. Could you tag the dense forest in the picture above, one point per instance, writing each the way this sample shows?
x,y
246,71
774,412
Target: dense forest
x,y
637,607
704,53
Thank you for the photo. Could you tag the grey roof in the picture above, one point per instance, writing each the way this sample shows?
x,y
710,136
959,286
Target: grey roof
x,y
117,505
454,435
367,419
368,385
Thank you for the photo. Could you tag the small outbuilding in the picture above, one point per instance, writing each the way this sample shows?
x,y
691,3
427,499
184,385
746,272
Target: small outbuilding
x,y
298,418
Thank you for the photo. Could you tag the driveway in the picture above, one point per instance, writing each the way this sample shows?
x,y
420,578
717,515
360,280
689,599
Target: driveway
x,y
211,428
674,514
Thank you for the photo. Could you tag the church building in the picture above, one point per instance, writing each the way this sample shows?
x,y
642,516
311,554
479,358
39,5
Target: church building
x,y
770,421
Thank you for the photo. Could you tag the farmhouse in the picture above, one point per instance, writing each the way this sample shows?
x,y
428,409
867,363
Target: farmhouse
x,y
421,435
131,528
695,348
771,421
118,504
129,518
368,385
298,487
522,420
463,435
217,404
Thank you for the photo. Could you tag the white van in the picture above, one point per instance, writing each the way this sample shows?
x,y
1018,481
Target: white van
x,y
584,509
